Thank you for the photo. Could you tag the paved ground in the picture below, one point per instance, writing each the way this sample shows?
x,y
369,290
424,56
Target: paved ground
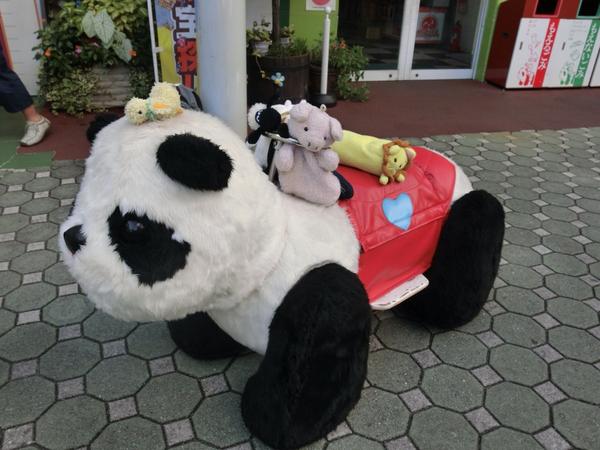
x,y
524,374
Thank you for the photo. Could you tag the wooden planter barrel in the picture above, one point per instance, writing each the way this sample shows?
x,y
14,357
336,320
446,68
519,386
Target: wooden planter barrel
x,y
113,89
293,68
315,80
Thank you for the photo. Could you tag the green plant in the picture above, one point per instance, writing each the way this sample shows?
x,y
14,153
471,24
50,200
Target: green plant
x,y
349,62
287,32
72,93
259,33
141,82
296,48
101,25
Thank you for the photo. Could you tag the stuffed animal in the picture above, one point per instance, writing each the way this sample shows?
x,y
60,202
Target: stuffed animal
x,y
263,119
382,157
305,170
175,221
163,102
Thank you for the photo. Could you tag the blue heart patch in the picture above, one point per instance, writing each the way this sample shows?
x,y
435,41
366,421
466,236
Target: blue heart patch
x,y
398,210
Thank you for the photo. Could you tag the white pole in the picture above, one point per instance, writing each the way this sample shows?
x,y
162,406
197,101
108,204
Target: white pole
x,y
325,52
155,49
222,60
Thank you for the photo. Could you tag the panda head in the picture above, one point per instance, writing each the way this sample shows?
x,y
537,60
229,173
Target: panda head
x,y
172,217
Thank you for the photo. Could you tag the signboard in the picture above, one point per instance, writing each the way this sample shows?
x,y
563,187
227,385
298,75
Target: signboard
x,y
316,5
176,28
430,25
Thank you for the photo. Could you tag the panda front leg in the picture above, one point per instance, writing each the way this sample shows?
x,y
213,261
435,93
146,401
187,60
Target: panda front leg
x,y
201,338
316,360
465,263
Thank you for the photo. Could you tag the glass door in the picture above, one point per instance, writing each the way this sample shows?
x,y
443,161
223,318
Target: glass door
x,y
446,38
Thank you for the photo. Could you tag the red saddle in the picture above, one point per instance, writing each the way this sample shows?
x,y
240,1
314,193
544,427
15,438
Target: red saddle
x,y
398,225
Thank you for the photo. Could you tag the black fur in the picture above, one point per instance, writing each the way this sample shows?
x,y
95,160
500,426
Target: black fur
x,y
194,162
200,337
74,238
147,247
346,189
98,123
465,263
316,360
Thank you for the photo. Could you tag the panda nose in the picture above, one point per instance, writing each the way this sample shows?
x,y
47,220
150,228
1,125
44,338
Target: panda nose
x,y
74,238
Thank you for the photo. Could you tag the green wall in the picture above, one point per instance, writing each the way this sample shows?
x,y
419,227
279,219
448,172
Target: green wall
x,y
486,38
309,24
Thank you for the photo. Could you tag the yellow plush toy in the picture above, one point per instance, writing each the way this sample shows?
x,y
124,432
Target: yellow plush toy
x,y
163,102
382,157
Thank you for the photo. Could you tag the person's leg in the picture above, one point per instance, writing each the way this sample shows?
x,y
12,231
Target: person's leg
x,y
15,98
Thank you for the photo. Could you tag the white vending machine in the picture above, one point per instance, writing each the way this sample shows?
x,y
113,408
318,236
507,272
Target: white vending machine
x,y
527,52
574,54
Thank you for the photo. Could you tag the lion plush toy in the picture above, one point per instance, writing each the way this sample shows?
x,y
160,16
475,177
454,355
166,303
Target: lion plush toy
x,y
175,221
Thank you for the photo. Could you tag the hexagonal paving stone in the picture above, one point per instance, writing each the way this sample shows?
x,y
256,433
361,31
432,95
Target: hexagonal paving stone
x,y
393,371
481,322
70,359
33,261
67,310
523,256
503,438
151,340
59,215
562,244
565,264
576,379
574,343
30,296
520,276
168,397
518,364
13,222
41,184
11,178
200,369
522,237
58,274
27,341
117,377
354,442
67,171
436,428
572,312
136,432
37,232
7,320
567,286
578,422
403,334
4,368
39,206
460,349
65,191
218,420
10,250
519,300
452,388
561,228
71,423
16,198
517,407
24,400
102,327
519,330
379,415
241,369
9,281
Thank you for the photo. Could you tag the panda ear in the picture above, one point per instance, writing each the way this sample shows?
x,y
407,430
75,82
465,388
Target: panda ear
x,y
195,162
98,123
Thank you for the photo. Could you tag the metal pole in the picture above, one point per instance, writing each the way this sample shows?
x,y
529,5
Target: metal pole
x,y
222,60
155,49
325,52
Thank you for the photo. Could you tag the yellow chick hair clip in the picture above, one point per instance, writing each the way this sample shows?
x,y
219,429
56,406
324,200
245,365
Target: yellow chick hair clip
x,y
163,103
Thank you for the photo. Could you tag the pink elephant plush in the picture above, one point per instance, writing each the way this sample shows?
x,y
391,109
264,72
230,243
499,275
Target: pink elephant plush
x,y
305,170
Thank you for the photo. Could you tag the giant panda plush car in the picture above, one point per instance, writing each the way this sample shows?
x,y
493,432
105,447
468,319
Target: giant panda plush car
x,y
175,221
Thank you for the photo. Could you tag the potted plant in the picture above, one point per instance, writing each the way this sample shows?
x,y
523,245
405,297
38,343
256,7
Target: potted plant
x,y
287,35
346,68
259,37
94,55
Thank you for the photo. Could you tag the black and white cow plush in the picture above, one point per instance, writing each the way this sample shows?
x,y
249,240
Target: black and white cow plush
x,y
175,221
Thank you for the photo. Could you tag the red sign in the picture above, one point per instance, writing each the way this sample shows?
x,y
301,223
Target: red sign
x,y
542,66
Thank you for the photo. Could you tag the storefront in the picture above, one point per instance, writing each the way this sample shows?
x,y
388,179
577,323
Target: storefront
x,y
415,39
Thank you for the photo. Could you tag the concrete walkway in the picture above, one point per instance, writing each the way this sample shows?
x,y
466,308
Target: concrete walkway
x,y
524,374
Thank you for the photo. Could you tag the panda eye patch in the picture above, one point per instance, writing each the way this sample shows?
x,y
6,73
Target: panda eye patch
x,y
133,226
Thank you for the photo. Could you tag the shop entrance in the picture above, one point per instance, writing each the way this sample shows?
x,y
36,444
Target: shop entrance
x,y
414,39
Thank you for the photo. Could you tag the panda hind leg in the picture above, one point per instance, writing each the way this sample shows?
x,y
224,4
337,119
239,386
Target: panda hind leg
x,y
316,360
465,264
201,338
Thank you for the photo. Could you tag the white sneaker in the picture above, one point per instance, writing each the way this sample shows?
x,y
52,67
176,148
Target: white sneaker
x,y
35,132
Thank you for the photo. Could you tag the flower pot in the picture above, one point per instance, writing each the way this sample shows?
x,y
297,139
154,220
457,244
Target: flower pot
x,y
293,68
315,80
113,88
260,47
285,41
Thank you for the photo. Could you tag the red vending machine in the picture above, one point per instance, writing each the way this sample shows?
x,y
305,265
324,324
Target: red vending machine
x,y
523,39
